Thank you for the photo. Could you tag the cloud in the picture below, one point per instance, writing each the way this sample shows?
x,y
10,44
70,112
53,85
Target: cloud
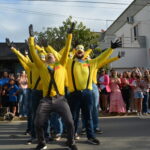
x,y
16,17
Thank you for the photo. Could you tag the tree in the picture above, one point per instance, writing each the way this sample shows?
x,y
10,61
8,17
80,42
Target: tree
x,y
81,35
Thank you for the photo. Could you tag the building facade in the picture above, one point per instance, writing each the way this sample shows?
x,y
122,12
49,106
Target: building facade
x,y
132,27
8,60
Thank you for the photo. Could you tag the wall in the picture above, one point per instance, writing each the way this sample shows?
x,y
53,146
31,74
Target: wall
x,y
133,58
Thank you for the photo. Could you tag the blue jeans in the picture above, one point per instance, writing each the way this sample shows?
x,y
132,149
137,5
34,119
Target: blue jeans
x,y
82,100
95,106
56,123
23,102
95,93
145,102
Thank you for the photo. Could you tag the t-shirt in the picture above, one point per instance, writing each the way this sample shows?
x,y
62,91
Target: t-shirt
x,y
13,91
4,81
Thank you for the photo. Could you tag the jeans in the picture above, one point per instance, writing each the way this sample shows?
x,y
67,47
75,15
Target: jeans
x,y
56,123
23,102
95,93
145,102
60,106
82,100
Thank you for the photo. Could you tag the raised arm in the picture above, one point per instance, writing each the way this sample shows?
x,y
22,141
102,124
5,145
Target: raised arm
x,y
104,56
32,49
87,53
110,60
50,49
40,49
65,54
61,51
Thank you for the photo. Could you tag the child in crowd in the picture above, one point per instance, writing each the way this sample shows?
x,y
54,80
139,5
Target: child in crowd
x,y
12,91
4,96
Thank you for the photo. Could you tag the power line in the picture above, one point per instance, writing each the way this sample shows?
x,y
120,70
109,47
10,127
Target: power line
x,y
97,6
51,14
65,1
76,1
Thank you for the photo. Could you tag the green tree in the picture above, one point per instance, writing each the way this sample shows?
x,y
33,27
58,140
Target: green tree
x,y
81,35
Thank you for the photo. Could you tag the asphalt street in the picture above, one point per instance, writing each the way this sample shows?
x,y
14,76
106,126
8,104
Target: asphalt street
x,y
120,133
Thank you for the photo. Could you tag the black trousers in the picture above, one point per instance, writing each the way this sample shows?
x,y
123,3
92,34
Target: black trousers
x,y
126,94
59,105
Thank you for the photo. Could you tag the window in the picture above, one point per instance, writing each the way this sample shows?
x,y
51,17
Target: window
x,y
135,32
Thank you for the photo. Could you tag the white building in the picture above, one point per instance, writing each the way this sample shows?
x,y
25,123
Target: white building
x,y
133,29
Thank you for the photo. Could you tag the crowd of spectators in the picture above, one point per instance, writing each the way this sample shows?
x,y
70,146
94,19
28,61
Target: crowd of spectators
x,y
125,92
13,95
120,93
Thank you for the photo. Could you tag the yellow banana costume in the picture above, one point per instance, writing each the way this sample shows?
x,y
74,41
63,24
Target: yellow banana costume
x,y
31,69
83,71
60,75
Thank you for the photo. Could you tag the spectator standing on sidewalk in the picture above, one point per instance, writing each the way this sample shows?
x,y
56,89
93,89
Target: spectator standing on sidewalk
x,y
117,104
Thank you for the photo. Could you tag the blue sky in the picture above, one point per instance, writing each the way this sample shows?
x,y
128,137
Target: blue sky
x,y
16,15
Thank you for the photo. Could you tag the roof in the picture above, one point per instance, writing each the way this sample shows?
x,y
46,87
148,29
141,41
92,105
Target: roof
x,y
131,10
6,53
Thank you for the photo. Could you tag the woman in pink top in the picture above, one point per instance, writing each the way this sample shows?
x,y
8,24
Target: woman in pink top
x,y
117,104
104,89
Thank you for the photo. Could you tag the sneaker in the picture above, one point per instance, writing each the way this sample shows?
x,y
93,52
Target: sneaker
x,y
93,141
41,147
57,137
27,133
140,114
129,111
73,147
83,131
145,114
30,141
99,131
77,137
20,116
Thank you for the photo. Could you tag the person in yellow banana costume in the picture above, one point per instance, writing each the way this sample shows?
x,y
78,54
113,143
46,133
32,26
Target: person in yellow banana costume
x,y
54,78
80,76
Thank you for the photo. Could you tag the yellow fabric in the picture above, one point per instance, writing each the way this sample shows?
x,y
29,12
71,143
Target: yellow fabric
x,y
50,49
101,65
40,50
60,75
81,70
23,60
58,55
29,67
87,53
61,51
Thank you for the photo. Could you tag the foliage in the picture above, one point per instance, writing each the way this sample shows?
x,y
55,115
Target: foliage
x,y
81,35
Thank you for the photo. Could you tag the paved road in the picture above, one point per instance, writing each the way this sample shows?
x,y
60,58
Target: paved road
x,y
120,133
